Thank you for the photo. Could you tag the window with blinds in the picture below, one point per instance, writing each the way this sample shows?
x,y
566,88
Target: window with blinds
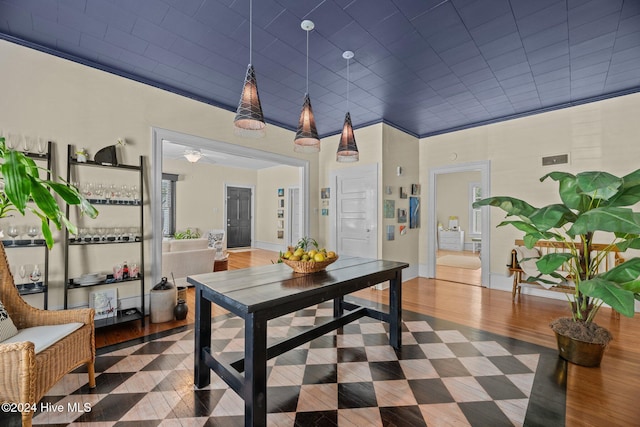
x,y
168,204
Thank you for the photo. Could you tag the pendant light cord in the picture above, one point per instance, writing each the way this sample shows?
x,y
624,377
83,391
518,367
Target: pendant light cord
x,y
250,32
348,84
308,31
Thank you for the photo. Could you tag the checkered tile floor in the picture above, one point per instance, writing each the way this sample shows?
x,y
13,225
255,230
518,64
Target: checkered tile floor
x,y
445,374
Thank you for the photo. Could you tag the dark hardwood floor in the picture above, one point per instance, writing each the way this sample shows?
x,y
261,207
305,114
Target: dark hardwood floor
x,y
595,396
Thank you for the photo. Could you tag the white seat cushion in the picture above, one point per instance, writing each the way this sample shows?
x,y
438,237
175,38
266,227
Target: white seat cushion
x,y
43,337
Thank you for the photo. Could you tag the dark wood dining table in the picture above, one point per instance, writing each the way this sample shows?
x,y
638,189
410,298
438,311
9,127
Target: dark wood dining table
x,y
259,294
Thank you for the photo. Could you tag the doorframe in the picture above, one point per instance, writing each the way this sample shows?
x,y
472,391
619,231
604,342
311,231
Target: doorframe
x,y
158,135
289,222
354,171
253,216
484,167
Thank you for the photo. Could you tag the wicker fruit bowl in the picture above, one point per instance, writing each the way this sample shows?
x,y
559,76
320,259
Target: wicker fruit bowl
x,y
308,267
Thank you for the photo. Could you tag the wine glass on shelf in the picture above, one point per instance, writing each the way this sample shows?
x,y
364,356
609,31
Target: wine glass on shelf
x,y
35,275
12,140
13,232
42,145
22,271
27,142
32,231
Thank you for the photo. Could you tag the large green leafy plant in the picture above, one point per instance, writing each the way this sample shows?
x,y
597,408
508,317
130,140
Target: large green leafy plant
x,y
592,202
23,190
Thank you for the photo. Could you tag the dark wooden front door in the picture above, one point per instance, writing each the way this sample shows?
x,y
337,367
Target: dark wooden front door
x,y
238,217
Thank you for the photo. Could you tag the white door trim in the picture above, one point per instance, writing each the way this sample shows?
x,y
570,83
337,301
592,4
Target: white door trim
x,y
155,192
353,171
484,167
288,227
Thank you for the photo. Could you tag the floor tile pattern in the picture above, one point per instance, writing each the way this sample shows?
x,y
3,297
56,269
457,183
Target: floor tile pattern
x,y
444,375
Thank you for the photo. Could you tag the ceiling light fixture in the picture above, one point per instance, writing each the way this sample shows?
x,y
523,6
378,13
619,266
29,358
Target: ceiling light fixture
x,y
347,148
193,155
307,140
249,120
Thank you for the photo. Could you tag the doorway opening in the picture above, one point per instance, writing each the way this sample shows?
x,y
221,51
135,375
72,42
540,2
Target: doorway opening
x,y
458,238
213,150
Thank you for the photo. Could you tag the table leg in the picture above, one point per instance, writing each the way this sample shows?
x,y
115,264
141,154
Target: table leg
x,y
338,307
255,371
201,372
395,311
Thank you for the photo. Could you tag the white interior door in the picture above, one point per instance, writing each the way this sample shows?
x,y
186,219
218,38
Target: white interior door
x,y
295,224
356,211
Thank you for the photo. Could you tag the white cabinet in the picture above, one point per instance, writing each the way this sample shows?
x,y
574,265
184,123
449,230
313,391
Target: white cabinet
x,y
451,240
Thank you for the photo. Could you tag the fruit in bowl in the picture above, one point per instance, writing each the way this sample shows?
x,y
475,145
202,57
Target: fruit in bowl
x,y
304,259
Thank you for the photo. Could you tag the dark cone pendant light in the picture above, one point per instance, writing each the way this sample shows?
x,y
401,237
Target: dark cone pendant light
x,y
307,140
249,121
347,148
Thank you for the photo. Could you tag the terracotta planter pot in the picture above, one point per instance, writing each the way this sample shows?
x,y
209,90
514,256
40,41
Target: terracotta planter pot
x,y
580,352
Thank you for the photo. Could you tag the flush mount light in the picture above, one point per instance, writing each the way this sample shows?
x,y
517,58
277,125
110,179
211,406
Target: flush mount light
x,y
249,120
347,148
307,140
193,155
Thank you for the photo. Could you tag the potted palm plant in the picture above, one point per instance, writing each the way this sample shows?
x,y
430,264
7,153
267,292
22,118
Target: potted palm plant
x,y
594,206
21,183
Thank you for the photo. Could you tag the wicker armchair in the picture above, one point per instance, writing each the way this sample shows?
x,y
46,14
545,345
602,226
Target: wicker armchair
x,y
25,377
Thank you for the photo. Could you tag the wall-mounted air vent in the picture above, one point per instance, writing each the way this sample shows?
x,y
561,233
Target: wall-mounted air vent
x,y
560,159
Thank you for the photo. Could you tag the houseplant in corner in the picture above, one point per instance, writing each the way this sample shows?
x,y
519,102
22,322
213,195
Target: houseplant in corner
x,y
21,183
594,206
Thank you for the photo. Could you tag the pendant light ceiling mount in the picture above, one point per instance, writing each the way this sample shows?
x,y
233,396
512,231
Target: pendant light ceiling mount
x,y
307,139
347,148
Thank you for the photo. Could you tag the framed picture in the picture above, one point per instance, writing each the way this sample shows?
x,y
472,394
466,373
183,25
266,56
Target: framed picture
x,y
325,193
280,234
281,223
389,208
281,203
325,212
280,213
414,212
391,232
280,192
388,189
402,215
104,302
403,193
403,229
415,189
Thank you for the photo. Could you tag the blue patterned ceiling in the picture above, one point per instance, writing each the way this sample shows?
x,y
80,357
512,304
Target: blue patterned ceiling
x,y
423,66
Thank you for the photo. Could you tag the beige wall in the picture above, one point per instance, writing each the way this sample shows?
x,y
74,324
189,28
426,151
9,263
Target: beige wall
x,y
74,104
400,149
452,199
269,181
597,136
200,192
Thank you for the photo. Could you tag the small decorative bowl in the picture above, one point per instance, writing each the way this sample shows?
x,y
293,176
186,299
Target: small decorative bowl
x,y
307,267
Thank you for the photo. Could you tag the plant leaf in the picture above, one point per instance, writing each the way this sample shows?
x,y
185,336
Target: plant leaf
x,y
44,200
16,187
621,300
598,185
628,271
549,263
568,189
511,205
612,219
552,216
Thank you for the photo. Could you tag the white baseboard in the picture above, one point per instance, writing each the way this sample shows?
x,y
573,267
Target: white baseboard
x,y
268,246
